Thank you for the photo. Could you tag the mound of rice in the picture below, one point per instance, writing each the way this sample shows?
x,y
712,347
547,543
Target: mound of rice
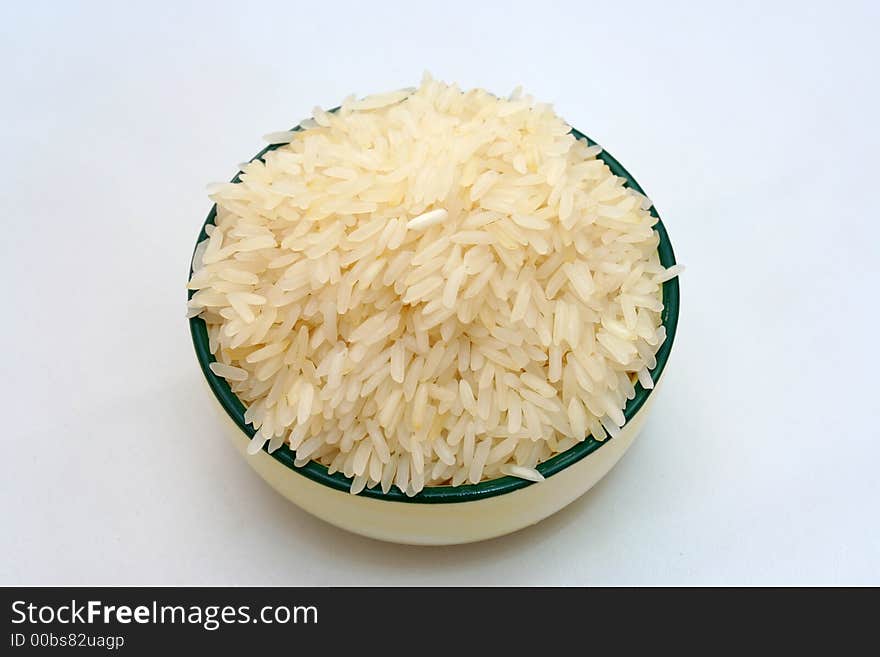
x,y
430,287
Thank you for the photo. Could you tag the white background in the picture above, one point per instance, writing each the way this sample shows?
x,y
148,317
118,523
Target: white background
x,y
753,126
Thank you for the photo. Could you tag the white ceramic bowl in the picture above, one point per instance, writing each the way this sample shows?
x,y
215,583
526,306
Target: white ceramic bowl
x,y
447,515
445,523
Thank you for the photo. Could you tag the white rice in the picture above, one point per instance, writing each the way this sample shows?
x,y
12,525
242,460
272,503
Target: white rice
x,y
431,287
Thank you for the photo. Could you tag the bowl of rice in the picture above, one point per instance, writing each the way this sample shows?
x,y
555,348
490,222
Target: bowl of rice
x,y
433,316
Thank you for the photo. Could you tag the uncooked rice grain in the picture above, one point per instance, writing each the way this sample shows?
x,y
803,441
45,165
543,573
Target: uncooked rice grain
x,y
430,287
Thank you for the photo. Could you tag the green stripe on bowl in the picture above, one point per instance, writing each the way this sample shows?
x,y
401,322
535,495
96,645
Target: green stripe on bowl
x,y
466,492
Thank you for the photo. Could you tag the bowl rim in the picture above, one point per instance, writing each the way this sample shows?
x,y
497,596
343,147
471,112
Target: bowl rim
x,y
465,492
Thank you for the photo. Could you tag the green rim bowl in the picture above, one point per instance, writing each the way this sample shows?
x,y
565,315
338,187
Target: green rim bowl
x,y
468,492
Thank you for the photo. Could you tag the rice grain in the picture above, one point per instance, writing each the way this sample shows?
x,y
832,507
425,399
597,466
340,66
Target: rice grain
x,y
430,287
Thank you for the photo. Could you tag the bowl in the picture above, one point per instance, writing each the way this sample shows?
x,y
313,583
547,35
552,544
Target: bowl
x,y
447,515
